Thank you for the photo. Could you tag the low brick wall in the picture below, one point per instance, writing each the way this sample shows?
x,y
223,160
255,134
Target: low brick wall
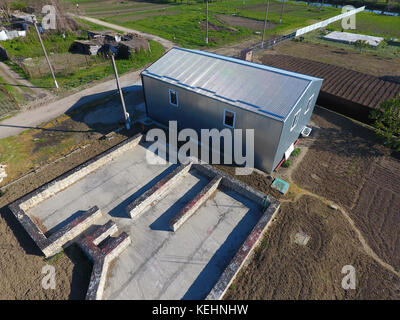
x,y
55,242
71,231
232,183
102,257
245,251
194,204
74,175
156,193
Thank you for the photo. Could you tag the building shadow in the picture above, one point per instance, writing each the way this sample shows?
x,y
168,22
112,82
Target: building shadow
x,y
81,272
64,223
211,273
99,112
120,210
162,222
23,238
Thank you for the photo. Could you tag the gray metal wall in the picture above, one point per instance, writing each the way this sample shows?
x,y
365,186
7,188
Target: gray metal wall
x,y
288,137
198,112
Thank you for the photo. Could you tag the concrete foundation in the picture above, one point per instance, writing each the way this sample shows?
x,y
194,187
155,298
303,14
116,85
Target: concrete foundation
x,y
211,215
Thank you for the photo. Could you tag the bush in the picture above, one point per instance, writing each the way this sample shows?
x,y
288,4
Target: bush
x,y
295,152
286,164
387,122
19,5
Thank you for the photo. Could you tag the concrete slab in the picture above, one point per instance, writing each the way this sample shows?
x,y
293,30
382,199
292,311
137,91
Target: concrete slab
x,y
347,37
158,263
108,187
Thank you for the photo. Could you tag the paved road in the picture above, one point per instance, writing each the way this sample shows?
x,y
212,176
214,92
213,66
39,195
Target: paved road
x,y
166,43
34,117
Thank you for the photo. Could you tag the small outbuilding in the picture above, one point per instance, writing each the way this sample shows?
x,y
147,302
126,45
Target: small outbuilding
x,y
130,47
202,90
107,35
90,47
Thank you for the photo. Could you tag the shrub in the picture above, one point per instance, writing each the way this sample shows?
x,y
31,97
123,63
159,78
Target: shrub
x,y
286,164
387,122
296,152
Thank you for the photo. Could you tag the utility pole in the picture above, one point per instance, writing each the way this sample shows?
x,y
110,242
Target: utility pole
x,y
44,51
126,114
283,4
265,24
207,22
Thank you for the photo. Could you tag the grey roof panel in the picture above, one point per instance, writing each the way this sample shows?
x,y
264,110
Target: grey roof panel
x,y
263,89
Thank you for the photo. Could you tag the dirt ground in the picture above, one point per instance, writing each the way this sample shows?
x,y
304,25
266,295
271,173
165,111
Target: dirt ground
x,y
22,262
21,266
282,269
364,179
365,63
356,167
344,165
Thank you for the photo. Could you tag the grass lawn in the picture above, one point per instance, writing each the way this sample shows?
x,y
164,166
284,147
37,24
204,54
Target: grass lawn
x,y
374,25
87,74
182,25
386,51
29,46
180,22
33,148
69,75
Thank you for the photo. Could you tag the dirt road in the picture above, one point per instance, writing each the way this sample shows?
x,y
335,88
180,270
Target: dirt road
x,y
166,43
27,90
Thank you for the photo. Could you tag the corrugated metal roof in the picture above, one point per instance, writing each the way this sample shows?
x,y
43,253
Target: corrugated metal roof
x,y
266,90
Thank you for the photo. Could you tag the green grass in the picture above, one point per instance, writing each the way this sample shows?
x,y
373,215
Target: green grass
x,y
29,46
374,25
295,152
183,27
97,72
286,164
84,25
13,91
387,51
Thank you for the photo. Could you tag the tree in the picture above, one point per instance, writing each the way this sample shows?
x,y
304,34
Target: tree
x,y
361,44
387,122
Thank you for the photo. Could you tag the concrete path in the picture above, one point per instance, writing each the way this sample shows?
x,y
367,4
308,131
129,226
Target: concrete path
x,y
34,117
166,43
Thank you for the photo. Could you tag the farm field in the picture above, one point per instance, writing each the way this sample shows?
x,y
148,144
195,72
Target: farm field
x,y
343,57
281,269
349,156
366,90
182,23
72,70
354,161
